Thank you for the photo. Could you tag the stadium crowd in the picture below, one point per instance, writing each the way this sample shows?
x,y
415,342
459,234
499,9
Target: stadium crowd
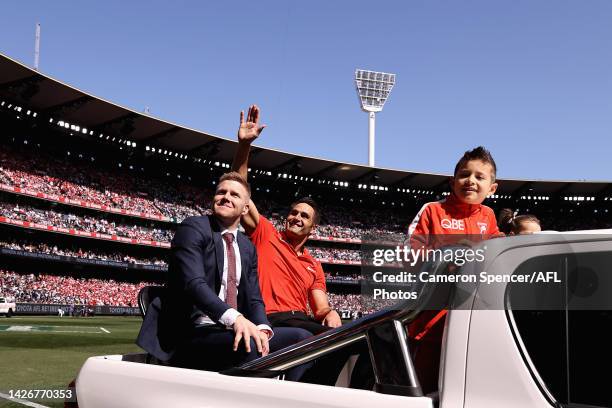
x,y
82,223
79,180
321,254
78,177
76,252
43,288
330,227
353,277
101,225
335,254
53,289
357,302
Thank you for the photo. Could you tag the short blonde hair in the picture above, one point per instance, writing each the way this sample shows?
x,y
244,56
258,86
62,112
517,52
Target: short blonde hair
x,y
235,176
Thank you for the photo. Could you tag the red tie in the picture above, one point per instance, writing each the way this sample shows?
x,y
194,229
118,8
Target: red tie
x,y
231,297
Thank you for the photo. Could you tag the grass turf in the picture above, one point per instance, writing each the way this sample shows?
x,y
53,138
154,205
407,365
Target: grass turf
x,y
49,356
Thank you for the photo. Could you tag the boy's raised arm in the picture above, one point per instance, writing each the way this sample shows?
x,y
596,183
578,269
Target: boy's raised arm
x,y
248,131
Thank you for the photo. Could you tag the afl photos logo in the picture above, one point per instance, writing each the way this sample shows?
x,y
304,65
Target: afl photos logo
x,y
452,224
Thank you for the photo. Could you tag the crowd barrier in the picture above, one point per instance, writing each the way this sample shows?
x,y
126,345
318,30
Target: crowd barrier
x,y
84,310
78,310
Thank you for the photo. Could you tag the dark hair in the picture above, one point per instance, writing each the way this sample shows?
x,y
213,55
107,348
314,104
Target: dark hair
x,y
313,204
479,153
508,223
235,176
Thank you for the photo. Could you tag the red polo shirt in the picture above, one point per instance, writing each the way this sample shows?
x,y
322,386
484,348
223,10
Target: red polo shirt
x,y
285,278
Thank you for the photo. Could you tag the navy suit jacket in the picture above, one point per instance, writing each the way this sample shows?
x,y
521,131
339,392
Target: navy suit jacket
x,y
194,281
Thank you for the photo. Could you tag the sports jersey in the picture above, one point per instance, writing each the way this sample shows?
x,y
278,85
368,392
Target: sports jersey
x,y
285,278
451,216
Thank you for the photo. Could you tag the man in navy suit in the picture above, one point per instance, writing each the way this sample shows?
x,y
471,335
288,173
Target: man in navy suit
x,y
212,315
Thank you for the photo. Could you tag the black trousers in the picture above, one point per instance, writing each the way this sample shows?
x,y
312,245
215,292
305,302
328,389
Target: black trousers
x,y
296,319
211,348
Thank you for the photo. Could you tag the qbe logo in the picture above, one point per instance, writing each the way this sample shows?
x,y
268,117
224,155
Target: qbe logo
x,y
452,224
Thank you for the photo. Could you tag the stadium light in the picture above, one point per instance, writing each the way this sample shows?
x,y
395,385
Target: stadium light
x,y
373,89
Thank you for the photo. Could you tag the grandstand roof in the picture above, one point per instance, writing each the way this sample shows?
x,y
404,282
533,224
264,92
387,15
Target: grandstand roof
x,y
49,97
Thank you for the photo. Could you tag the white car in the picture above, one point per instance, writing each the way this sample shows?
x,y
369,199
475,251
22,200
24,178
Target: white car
x,y
7,306
502,344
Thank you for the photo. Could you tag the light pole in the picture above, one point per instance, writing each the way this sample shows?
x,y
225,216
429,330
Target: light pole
x,y
373,89
37,47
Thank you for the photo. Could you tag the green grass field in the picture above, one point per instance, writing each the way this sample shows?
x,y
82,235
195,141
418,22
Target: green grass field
x,y
47,352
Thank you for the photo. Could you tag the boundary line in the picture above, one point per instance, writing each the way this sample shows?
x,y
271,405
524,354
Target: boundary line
x,y
33,329
22,401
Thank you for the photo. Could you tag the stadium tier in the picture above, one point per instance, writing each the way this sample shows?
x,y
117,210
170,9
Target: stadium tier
x,y
91,193
74,292
44,248
43,288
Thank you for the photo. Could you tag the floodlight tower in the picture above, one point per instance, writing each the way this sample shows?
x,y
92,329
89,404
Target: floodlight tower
x,y
373,89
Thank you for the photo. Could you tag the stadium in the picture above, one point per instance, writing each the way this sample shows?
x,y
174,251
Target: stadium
x,y
91,194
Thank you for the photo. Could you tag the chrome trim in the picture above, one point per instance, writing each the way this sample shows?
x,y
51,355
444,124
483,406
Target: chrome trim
x,y
318,353
401,334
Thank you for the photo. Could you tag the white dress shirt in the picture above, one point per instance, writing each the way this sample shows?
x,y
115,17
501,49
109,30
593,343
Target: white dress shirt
x,y
228,318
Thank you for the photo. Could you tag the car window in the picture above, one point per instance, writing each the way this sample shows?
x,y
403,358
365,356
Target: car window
x,y
565,327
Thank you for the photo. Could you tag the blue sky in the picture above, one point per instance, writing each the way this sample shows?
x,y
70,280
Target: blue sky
x,y
530,80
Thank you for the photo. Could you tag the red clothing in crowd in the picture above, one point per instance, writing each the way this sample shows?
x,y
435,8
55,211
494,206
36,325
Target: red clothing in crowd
x,y
285,278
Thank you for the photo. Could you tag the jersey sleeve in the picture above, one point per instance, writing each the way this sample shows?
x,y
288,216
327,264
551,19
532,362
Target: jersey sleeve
x,y
419,228
319,282
263,231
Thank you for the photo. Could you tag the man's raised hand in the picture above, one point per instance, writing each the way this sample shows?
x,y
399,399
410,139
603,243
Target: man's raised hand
x,y
250,128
